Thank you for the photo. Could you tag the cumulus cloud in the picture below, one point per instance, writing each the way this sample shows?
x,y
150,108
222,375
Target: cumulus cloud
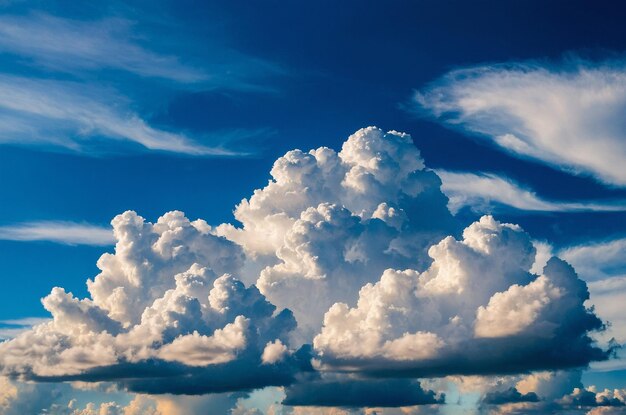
x,y
328,221
164,303
488,192
476,309
353,251
592,397
580,400
567,115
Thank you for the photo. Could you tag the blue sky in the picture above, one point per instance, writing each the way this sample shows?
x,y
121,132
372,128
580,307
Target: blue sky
x,y
161,106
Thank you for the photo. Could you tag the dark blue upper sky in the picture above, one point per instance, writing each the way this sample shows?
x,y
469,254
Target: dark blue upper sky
x,y
261,78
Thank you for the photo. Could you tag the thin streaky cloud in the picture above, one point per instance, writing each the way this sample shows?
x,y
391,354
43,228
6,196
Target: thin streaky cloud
x,y
484,192
10,329
598,260
73,115
59,232
26,321
71,44
568,115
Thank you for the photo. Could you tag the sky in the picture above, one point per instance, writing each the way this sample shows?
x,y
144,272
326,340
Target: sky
x,y
412,207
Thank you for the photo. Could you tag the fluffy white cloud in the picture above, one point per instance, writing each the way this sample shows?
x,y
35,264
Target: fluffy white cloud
x,y
329,222
168,313
477,295
163,295
274,352
567,115
197,350
487,192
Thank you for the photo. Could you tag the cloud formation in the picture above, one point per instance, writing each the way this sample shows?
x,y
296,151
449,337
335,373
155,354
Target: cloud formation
x,y
567,115
477,295
328,221
76,116
488,192
165,303
60,232
72,44
360,268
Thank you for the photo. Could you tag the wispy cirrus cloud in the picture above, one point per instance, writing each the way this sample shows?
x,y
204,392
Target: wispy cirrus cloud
x,y
485,192
72,44
570,115
76,116
60,232
117,43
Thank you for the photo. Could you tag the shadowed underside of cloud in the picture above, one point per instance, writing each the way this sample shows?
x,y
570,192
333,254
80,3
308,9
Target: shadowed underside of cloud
x,y
568,115
602,264
511,395
349,252
61,232
359,393
486,192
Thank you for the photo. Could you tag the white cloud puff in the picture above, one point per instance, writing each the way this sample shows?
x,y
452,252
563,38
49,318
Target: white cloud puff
x,y
477,295
329,222
163,295
169,311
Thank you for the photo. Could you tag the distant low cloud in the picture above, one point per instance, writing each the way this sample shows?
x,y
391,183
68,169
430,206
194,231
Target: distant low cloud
x,y
60,232
535,400
568,115
488,192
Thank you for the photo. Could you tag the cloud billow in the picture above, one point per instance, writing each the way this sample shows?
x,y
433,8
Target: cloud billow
x,y
346,261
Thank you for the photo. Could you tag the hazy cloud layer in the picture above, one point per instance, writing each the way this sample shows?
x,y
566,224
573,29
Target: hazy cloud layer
x,y
568,115
73,44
